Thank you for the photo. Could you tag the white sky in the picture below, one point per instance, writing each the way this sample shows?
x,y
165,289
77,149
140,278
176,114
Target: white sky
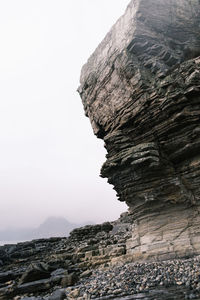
x,y
49,158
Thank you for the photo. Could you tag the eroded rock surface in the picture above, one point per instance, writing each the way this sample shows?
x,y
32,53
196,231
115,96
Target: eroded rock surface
x,y
40,267
92,264
141,91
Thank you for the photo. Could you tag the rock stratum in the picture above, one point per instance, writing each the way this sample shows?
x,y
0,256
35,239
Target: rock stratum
x,y
90,264
141,92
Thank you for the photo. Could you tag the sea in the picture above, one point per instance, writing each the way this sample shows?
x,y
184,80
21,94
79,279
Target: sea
x,y
9,242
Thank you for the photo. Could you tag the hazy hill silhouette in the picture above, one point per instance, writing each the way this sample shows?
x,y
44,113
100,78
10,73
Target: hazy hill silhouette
x,y
51,227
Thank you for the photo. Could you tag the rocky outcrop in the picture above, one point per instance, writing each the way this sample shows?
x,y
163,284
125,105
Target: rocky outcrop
x,y
92,264
141,91
39,267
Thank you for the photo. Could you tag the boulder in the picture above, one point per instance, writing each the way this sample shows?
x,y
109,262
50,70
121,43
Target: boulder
x,y
69,280
35,271
58,295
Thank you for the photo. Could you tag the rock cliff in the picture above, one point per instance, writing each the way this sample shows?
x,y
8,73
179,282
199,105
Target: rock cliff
x,y
141,91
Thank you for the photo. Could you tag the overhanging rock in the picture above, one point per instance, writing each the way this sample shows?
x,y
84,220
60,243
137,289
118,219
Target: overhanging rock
x,y
141,91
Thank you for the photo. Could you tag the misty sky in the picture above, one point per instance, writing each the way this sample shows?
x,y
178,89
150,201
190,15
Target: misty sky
x,y
49,158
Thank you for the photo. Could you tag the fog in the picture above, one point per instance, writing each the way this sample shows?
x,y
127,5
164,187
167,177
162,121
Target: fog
x,y
50,159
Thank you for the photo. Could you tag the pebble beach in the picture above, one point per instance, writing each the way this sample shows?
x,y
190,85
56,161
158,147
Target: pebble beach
x,y
177,279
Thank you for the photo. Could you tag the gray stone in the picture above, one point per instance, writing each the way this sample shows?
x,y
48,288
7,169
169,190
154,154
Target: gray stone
x,y
86,273
58,295
31,298
69,280
35,272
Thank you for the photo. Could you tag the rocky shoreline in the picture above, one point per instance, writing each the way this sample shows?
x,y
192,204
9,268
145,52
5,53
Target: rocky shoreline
x,y
140,90
154,280
75,268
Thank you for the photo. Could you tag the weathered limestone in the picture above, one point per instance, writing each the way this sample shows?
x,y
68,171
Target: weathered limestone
x,y
141,91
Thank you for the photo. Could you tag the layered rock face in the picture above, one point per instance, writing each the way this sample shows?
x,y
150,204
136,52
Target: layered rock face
x,y
141,91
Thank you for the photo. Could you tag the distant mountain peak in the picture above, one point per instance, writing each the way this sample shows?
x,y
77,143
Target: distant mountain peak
x,y
55,221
